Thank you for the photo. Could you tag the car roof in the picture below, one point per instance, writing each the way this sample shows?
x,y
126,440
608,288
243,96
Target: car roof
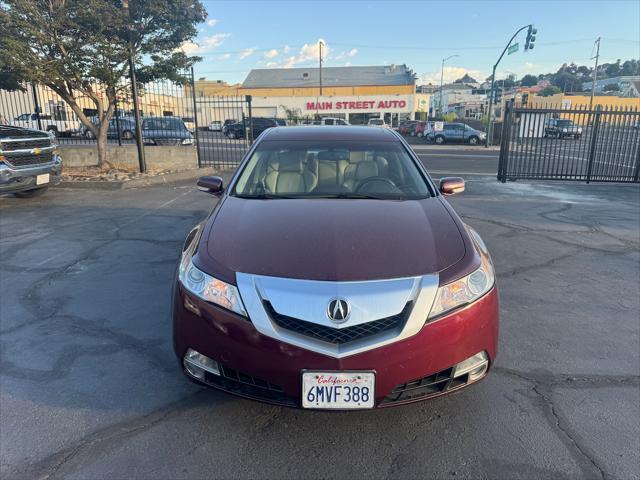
x,y
346,132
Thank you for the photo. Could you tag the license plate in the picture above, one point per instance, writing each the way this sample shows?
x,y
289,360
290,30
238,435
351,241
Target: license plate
x,y
44,178
338,390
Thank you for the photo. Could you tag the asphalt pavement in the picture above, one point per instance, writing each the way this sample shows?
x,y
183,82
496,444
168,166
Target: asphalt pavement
x,y
90,388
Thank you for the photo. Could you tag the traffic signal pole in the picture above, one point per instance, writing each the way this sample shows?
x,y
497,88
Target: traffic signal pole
x,y
493,79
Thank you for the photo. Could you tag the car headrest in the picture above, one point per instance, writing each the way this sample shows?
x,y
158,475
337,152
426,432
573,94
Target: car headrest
x,y
291,161
333,155
355,157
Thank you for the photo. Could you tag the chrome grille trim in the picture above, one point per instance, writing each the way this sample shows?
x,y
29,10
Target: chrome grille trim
x,y
307,300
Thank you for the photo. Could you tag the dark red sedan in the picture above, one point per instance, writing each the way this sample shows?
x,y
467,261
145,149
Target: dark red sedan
x,y
333,274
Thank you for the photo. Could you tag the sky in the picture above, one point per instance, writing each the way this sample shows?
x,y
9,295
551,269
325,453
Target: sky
x,y
241,35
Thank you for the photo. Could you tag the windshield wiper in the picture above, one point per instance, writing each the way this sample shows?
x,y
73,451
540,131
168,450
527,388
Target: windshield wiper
x,y
263,196
358,196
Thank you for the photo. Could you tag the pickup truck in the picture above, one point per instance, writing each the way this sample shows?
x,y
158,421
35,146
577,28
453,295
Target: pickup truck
x,y
29,163
560,128
47,123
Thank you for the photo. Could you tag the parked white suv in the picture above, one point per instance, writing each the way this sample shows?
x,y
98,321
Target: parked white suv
x,y
331,121
47,123
376,122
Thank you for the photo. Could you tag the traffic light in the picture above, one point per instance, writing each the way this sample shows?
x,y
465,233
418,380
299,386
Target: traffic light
x,y
531,38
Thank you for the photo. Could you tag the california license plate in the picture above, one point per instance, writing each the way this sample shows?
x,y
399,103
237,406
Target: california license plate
x,y
338,390
42,179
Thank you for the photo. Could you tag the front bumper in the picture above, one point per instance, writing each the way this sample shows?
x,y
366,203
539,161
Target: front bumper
x,y
14,179
260,367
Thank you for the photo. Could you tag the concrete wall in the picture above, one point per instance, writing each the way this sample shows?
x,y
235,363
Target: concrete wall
x,y
126,157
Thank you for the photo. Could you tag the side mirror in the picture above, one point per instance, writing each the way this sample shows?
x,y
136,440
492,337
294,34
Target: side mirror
x,y
451,185
210,184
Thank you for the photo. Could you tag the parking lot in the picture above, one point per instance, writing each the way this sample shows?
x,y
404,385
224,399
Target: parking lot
x,y
90,388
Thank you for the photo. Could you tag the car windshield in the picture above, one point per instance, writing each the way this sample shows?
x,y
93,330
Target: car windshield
x,y
163,124
565,123
339,169
376,122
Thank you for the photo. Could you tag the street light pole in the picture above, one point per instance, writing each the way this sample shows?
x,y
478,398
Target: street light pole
x,y
595,74
442,78
320,58
493,82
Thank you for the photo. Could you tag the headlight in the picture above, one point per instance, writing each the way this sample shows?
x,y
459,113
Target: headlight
x,y
205,286
564,130
148,141
467,289
187,141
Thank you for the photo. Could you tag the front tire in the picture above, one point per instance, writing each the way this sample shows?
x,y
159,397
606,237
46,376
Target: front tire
x,y
53,130
127,135
89,135
439,140
420,135
474,141
36,192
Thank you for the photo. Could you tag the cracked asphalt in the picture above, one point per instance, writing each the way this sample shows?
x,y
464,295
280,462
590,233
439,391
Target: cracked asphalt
x,y
90,388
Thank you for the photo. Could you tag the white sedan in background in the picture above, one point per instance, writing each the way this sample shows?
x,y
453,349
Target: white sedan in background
x,y
215,126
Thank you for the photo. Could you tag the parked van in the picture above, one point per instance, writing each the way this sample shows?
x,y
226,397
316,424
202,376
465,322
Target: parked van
x,y
47,123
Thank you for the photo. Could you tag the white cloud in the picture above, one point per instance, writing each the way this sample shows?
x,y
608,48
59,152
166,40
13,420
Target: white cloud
x,y
247,52
286,49
347,64
225,56
212,22
207,43
271,53
450,74
351,53
271,64
307,53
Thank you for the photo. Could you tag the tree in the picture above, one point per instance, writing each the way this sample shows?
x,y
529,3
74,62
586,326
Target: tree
x,y
81,47
529,81
548,91
466,79
612,87
630,67
567,82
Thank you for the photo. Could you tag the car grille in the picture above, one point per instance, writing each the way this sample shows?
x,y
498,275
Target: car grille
x,y
167,141
9,146
435,384
244,385
28,160
339,335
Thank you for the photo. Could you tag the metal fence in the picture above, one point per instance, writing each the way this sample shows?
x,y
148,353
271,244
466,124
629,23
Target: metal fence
x,y
582,144
166,108
226,129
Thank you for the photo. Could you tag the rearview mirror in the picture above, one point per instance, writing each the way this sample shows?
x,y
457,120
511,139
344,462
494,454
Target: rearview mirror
x,y
451,185
210,184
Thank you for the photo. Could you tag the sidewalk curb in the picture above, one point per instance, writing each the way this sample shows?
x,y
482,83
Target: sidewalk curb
x,y
167,179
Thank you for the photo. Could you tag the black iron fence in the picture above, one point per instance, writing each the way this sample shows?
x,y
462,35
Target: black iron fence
x,y
219,128
226,129
591,145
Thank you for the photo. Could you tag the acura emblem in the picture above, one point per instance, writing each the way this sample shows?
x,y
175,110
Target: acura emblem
x,y
338,310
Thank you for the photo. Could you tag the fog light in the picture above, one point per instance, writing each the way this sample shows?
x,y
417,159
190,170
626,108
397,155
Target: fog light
x,y
475,366
197,364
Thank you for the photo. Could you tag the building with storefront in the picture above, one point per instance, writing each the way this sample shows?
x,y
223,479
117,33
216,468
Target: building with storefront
x,y
355,94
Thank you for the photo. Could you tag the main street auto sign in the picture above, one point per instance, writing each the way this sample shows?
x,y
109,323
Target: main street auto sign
x,y
357,105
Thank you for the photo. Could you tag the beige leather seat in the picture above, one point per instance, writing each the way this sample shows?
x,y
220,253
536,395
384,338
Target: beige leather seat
x,y
287,174
331,165
359,168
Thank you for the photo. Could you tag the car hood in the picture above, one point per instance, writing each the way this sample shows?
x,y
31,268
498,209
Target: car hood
x,y
330,239
9,131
